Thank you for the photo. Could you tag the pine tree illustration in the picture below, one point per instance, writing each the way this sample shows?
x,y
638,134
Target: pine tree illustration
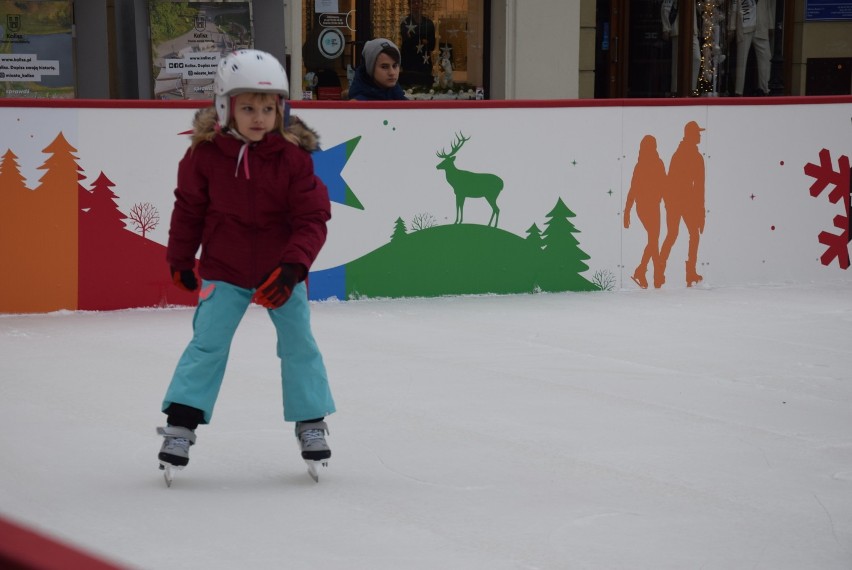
x,y
11,179
104,209
560,245
61,171
399,229
534,236
55,215
15,205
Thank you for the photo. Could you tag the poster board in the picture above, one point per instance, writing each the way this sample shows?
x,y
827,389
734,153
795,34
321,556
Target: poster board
x,y
189,38
37,49
828,10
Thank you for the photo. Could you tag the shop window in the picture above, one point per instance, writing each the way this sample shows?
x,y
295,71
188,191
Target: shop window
x,y
443,44
829,76
328,29
706,48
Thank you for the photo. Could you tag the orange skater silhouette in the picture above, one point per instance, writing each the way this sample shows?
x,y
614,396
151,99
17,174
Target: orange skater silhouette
x,y
684,200
646,191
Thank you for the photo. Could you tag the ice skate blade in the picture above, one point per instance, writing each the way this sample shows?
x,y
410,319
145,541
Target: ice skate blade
x,y
169,471
313,468
642,284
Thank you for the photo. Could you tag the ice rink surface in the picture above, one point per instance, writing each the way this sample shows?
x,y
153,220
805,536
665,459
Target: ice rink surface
x,y
704,428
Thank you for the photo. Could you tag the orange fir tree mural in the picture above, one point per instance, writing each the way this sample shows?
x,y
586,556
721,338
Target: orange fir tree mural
x,y
13,193
54,259
63,246
14,200
40,233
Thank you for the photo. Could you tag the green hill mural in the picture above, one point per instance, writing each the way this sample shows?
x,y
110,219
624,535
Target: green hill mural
x,y
463,259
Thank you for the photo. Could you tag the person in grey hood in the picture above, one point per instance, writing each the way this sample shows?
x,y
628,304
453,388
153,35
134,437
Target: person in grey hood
x,y
377,78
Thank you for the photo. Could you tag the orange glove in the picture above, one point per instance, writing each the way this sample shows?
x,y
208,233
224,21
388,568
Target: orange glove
x,y
277,288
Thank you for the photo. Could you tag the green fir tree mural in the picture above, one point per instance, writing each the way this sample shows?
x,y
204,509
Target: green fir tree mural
x,y
399,229
562,259
534,236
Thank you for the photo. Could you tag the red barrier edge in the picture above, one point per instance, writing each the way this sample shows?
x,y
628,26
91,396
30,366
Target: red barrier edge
x,y
24,549
447,104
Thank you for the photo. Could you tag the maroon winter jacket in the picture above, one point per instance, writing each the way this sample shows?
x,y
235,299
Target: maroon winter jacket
x,y
247,225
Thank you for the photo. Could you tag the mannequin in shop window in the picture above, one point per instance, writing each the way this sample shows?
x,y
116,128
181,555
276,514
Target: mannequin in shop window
x,y
418,43
752,20
671,30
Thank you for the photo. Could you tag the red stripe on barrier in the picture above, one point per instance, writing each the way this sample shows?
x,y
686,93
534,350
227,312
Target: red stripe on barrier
x,y
447,104
24,549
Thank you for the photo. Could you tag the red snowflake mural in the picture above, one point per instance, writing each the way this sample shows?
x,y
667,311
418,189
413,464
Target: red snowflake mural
x,y
825,176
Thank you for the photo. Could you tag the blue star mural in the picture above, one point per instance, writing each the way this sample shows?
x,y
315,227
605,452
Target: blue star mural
x,y
329,164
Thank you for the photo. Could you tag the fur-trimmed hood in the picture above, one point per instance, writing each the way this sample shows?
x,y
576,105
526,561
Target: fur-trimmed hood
x,y
205,128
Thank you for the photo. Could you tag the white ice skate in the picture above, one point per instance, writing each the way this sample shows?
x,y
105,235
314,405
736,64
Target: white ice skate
x,y
174,453
315,450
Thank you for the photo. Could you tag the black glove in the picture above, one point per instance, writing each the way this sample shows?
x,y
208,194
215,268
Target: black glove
x,y
277,288
185,279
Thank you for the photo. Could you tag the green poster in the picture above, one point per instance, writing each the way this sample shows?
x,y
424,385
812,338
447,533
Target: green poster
x,y
36,49
187,41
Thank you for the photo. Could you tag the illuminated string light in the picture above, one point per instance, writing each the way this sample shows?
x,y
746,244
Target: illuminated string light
x,y
711,16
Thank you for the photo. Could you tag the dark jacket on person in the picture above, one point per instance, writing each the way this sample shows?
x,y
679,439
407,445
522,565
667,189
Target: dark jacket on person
x,y
363,88
249,206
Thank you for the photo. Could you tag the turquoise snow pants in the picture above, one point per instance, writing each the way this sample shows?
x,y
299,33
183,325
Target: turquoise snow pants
x,y
200,370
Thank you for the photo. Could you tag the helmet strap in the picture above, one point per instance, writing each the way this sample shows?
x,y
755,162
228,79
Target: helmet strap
x,y
286,112
232,106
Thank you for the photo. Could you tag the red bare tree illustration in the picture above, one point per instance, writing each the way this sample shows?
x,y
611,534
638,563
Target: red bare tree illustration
x,y
144,217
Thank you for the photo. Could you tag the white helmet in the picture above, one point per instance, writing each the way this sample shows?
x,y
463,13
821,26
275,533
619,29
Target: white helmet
x,y
247,70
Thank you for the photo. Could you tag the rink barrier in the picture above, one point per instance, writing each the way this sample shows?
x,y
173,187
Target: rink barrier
x,y
26,549
775,212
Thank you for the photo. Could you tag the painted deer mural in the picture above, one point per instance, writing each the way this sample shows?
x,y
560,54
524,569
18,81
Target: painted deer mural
x,y
469,184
